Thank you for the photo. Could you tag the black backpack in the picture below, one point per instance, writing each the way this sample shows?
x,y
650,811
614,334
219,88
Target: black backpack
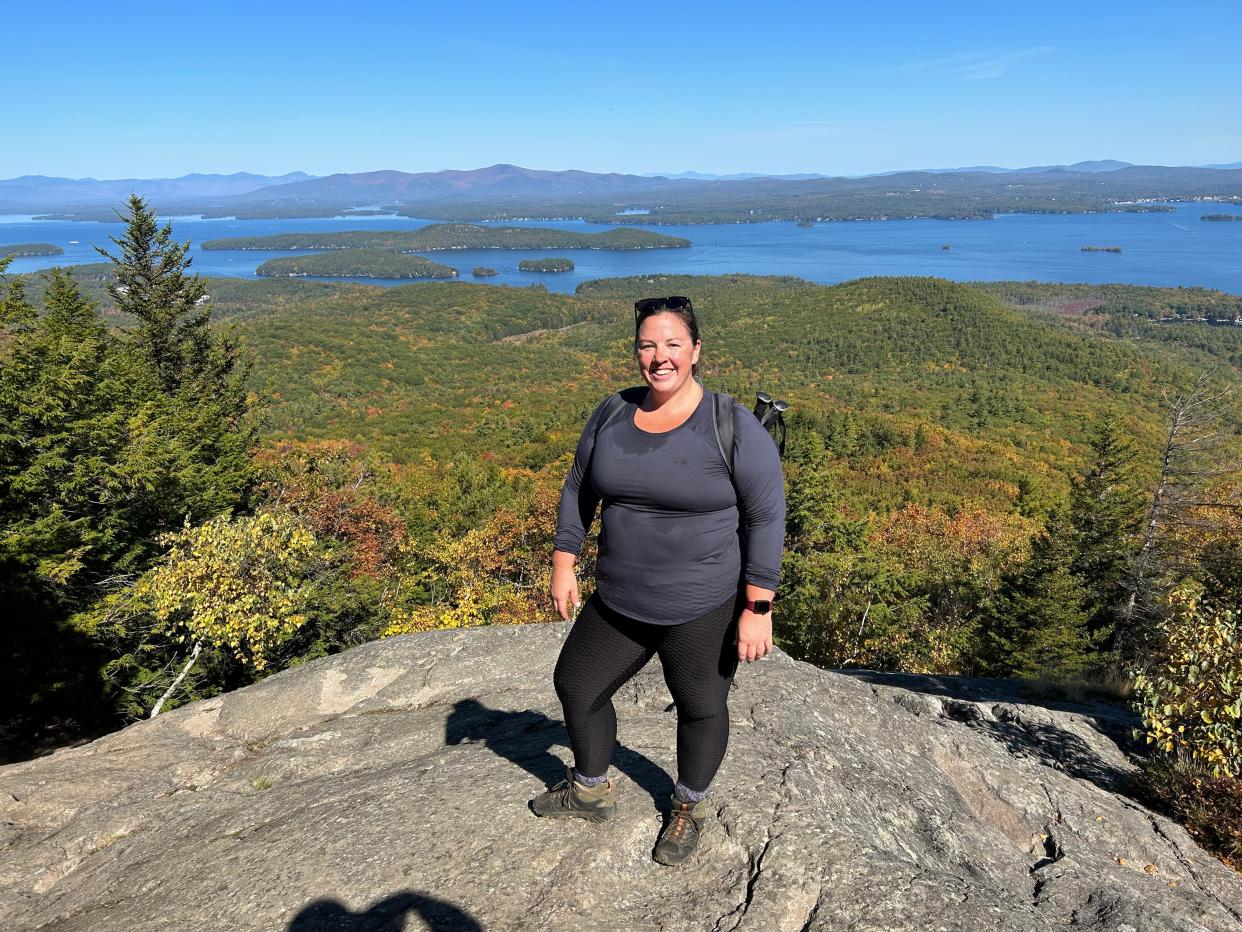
x,y
769,413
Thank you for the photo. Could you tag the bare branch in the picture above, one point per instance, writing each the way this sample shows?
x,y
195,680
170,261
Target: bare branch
x,y
198,646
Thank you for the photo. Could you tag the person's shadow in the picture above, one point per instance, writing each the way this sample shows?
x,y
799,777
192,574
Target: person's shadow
x,y
525,738
388,915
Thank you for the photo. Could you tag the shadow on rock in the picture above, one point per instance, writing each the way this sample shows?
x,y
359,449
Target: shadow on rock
x,y
1022,733
1057,748
525,738
388,915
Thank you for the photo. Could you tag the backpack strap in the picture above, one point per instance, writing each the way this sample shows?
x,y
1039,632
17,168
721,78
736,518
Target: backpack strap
x,y
613,405
724,426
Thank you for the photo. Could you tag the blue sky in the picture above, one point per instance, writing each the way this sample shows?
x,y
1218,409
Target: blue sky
x,y
136,89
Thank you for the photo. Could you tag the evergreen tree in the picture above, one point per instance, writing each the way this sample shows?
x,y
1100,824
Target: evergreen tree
x,y
1105,510
15,311
62,385
189,456
108,442
154,286
828,580
1038,623
63,391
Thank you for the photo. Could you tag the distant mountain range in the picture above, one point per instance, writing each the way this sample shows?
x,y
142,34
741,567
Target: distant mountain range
x,y
39,192
494,181
1090,167
1102,165
506,192
744,176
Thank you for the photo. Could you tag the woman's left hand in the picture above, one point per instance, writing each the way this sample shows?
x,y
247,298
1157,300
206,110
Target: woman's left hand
x,y
754,635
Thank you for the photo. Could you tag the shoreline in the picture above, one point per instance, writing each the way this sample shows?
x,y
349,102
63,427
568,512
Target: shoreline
x,y
1152,205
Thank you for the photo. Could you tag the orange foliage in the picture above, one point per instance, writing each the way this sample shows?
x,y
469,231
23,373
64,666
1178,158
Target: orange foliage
x,y
325,483
928,539
499,573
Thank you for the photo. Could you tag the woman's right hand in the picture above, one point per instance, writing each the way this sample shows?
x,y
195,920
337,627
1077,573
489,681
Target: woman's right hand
x,y
564,584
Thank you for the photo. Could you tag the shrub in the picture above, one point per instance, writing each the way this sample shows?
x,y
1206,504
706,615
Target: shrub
x,y
499,573
1190,697
1210,808
240,584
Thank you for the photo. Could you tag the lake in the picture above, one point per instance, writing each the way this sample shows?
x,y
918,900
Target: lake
x,y
1157,248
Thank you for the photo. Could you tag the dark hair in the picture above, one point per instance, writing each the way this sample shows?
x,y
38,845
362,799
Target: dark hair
x,y
676,305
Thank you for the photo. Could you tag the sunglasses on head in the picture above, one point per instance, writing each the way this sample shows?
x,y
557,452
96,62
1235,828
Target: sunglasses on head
x,y
651,305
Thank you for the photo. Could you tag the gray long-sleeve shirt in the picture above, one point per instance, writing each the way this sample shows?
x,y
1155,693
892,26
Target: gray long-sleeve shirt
x,y
669,546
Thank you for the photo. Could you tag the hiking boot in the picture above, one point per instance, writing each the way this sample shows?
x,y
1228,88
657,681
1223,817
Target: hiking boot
x,y
682,829
571,798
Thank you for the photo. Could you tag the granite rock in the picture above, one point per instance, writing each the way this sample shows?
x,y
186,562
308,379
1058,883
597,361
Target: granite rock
x,y
386,788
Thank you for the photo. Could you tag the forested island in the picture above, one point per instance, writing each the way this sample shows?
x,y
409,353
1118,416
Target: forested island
x,y
546,265
21,250
444,236
1221,217
357,263
483,271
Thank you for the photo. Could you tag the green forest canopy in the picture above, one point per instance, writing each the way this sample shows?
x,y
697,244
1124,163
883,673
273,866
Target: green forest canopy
x,y
420,367
891,353
357,263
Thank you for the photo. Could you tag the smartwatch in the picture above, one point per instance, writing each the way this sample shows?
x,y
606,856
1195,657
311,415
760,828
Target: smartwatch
x,y
759,606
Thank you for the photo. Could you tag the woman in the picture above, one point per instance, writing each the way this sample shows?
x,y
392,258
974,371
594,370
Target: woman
x,y
674,577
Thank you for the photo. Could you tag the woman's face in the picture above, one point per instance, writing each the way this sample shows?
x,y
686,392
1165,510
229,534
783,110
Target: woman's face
x,y
666,354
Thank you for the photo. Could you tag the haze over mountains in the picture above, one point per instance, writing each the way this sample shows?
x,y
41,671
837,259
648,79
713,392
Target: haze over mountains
x,y
509,180
41,191
506,191
1101,165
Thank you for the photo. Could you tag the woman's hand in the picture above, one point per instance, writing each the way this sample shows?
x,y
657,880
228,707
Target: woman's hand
x,y
754,635
564,584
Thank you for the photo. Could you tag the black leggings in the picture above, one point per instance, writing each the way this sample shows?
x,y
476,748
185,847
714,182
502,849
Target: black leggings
x,y
605,648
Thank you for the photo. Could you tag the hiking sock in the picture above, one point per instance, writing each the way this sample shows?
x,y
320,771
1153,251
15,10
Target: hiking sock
x,y
687,795
589,781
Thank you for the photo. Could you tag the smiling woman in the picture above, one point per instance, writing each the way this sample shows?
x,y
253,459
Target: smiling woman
x,y
675,578
667,348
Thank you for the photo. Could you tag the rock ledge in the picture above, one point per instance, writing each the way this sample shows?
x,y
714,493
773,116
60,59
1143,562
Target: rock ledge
x,y
386,788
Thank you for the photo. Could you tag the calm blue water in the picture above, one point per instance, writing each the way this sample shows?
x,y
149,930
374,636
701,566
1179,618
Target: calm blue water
x,y
1158,249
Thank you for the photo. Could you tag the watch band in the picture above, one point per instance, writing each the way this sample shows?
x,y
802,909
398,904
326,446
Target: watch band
x,y
759,606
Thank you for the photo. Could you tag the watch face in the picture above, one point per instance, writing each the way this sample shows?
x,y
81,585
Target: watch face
x,y
762,606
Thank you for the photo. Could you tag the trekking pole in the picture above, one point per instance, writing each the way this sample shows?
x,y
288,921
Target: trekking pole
x,y
763,401
781,407
772,413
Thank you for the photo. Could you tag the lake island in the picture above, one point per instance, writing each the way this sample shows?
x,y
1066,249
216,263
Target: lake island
x,y
440,236
357,263
22,250
546,265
